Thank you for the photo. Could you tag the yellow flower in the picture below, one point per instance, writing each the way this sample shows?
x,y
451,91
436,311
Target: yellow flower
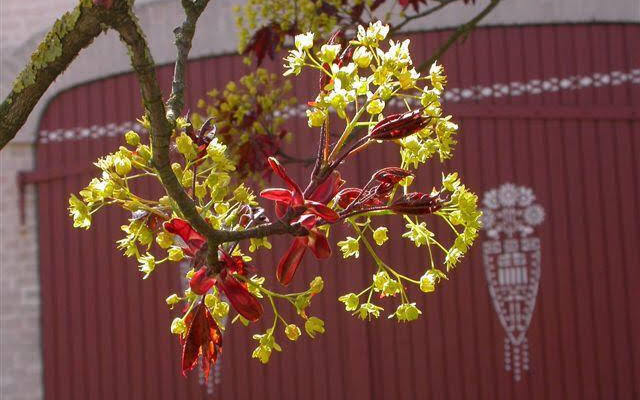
x,y
380,235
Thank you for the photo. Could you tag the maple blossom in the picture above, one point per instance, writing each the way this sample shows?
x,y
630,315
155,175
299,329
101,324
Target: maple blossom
x,y
244,302
226,221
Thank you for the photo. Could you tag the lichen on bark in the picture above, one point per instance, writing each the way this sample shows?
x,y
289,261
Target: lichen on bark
x,y
50,48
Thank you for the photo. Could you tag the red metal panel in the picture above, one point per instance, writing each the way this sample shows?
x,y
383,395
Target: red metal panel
x,y
106,331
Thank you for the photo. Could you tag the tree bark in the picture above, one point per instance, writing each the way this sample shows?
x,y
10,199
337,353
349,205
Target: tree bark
x,y
73,32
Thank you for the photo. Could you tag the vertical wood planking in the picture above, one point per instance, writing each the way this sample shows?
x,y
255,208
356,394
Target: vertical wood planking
x,y
583,332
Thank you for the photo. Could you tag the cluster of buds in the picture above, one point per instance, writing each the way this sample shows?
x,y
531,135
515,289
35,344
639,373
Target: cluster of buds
x,y
374,196
398,126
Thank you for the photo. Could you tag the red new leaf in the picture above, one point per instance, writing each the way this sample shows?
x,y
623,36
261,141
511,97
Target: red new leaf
x,y
200,283
193,240
417,204
290,262
391,175
203,337
398,126
241,299
264,42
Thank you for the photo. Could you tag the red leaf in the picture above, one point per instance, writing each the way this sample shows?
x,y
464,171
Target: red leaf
x,y
293,186
191,238
391,175
398,126
265,41
414,3
281,209
322,211
346,56
200,283
291,260
356,11
319,244
203,338
417,204
346,196
276,194
327,190
241,299
376,4
235,264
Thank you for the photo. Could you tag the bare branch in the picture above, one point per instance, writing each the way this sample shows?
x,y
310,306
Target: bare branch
x,y
144,67
74,31
463,31
425,13
289,159
184,36
161,129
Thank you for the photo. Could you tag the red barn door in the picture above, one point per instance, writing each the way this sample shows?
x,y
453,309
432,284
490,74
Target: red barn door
x,y
541,309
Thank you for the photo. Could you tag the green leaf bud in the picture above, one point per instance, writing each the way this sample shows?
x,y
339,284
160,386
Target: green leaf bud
x,y
316,285
380,235
176,254
173,300
164,239
350,300
292,331
132,138
375,107
122,165
178,327
314,325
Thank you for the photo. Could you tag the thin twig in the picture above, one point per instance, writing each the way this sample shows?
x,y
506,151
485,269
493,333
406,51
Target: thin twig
x,y
144,66
184,37
289,159
430,11
463,31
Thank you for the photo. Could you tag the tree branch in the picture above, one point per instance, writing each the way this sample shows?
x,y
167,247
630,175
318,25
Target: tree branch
x,y
410,18
184,37
74,31
161,129
463,31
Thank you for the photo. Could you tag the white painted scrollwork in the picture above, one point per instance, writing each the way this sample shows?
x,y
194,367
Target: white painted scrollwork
x,y
453,95
511,255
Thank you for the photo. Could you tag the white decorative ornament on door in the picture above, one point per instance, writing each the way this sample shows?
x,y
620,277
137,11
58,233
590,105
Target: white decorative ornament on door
x,y
512,263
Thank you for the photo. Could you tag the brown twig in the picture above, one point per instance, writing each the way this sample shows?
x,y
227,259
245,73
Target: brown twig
x,y
144,67
463,31
443,4
142,62
184,37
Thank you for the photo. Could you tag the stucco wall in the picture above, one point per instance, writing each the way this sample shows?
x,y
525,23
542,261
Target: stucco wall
x,y
20,359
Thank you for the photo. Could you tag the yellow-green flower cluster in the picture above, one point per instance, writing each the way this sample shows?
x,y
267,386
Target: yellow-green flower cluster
x,y
308,16
439,136
267,343
246,112
350,247
370,81
207,171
